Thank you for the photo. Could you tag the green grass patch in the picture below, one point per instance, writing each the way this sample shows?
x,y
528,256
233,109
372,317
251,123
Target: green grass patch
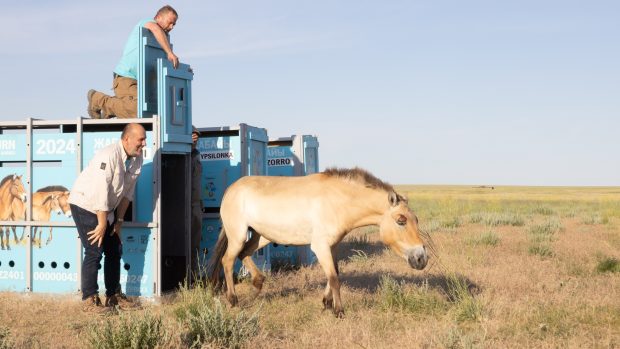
x,y
502,219
543,210
209,323
466,306
545,232
595,219
475,218
608,265
541,249
127,331
488,238
217,327
5,338
418,300
451,223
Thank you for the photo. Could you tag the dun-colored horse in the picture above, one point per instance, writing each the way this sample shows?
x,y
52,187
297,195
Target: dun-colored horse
x,y
11,187
319,210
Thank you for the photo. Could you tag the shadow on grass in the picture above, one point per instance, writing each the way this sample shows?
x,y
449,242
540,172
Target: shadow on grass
x,y
371,282
347,249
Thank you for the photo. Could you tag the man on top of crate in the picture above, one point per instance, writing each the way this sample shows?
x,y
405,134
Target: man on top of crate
x,y
124,103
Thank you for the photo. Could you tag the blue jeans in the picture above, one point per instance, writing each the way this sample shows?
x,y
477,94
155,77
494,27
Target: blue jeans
x,y
111,247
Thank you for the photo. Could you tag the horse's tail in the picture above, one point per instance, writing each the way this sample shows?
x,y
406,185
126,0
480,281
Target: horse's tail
x,y
214,266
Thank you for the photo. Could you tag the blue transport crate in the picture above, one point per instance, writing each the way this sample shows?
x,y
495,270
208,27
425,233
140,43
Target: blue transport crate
x,y
43,251
137,262
293,156
211,227
228,153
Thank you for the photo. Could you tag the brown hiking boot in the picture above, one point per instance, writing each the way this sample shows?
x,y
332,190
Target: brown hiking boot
x,y
122,301
92,111
93,305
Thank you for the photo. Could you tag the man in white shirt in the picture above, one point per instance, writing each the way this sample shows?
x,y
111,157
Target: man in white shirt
x,y
106,185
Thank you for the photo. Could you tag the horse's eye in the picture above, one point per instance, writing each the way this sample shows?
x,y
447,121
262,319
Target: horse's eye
x,y
402,220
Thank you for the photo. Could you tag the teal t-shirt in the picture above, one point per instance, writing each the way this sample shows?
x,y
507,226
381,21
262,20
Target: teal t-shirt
x,y
128,66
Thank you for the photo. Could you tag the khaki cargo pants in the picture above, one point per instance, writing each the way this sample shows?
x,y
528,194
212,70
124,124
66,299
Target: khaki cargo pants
x,y
124,103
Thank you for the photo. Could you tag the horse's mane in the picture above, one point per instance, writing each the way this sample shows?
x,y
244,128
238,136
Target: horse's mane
x,y
360,176
52,188
6,179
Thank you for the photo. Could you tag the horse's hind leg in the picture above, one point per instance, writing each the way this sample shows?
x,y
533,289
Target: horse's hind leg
x,y
2,238
236,242
255,243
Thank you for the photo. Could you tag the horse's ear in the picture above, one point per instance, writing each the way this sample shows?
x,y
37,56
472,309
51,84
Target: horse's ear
x,y
393,198
14,176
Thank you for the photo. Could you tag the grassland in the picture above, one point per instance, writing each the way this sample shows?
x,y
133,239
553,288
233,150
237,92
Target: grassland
x,y
513,267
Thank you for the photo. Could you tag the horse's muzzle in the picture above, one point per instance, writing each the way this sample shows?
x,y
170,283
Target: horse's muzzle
x,y
417,257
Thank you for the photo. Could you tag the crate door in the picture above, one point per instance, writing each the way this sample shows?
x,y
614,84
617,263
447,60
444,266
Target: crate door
x,y
174,107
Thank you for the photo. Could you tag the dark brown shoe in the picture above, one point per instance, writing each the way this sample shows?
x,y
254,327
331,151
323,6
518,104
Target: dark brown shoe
x,y
93,305
92,111
122,301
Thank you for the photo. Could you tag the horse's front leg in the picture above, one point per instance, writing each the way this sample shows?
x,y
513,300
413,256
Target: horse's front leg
x,y
331,296
328,298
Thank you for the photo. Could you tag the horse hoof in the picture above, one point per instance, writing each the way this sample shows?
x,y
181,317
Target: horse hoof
x,y
328,303
339,313
258,283
233,300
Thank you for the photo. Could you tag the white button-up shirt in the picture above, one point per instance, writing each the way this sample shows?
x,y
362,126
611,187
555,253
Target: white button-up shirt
x,y
102,185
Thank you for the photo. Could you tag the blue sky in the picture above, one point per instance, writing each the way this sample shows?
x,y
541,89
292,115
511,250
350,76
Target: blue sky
x,y
417,92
